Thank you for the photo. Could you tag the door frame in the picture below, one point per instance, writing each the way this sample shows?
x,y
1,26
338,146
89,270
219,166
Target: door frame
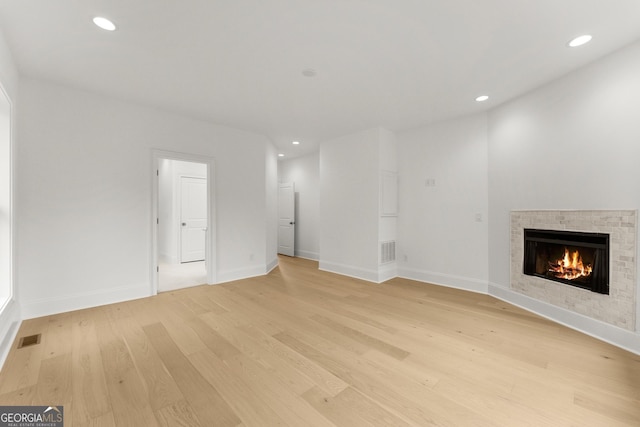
x,y
210,242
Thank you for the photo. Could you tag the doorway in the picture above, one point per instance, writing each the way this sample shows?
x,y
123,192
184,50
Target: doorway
x,y
183,235
286,219
192,203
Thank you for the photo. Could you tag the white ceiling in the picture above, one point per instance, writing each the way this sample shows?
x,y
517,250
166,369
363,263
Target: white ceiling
x,y
399,64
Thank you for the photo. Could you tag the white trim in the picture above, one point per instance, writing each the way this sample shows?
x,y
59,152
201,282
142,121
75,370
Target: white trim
x,y
210,258
387,272
595,328
272,265
241,273
79,301
447,280
314,256
350,271
9,325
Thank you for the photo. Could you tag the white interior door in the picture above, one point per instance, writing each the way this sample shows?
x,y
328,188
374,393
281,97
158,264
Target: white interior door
x,y
286,219
193,218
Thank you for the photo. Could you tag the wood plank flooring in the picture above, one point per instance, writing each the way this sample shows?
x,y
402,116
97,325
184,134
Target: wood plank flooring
x,y
301,347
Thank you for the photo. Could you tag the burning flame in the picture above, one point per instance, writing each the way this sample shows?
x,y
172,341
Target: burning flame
x,y
570,267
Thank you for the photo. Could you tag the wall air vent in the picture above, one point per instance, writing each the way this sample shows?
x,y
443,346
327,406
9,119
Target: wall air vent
x,y
387,251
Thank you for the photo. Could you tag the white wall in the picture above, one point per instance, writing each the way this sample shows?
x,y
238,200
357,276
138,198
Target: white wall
x,y
350,221
573,144
84,196
9,310
440,239
304,172
349,191
170,172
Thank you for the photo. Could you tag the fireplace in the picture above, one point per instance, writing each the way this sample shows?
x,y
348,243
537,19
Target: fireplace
x,y
578,259
616,307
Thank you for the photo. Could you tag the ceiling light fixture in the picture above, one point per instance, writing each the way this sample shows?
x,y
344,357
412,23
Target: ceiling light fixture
x,y
280,155
579,41
296,142
104,23
482,98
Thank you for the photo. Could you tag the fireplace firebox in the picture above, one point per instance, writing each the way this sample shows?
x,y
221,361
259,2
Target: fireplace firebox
x,y
574,258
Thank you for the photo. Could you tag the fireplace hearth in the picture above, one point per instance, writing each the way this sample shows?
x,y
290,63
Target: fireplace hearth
x,y
578,259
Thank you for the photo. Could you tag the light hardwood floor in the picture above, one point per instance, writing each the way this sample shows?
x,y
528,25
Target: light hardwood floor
x,y
301,347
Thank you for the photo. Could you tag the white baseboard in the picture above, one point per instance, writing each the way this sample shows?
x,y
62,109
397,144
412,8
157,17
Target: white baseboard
x,y
614,335
387,272
458,282
9,325
271,265
314,256
384,273
225,276
55,305
350,271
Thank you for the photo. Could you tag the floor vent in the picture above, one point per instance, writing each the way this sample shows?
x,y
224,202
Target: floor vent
x,y
29,340
387,251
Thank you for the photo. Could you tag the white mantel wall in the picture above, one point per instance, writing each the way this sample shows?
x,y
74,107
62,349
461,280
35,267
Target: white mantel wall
x,y
572,144
84,196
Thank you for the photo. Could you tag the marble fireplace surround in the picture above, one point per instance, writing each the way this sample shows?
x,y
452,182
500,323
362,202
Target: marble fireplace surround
x,y
619,307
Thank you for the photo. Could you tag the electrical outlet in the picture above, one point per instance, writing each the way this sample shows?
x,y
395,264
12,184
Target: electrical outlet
x,y
478,217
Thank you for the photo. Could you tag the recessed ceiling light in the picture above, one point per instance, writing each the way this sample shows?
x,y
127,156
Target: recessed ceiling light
x,y
296,142
579,41
104,23
482,98
280,155
309,72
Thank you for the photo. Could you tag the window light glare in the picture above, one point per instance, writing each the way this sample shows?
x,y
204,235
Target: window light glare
x,y
482,98
104,23
296,142
579,41
280,155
